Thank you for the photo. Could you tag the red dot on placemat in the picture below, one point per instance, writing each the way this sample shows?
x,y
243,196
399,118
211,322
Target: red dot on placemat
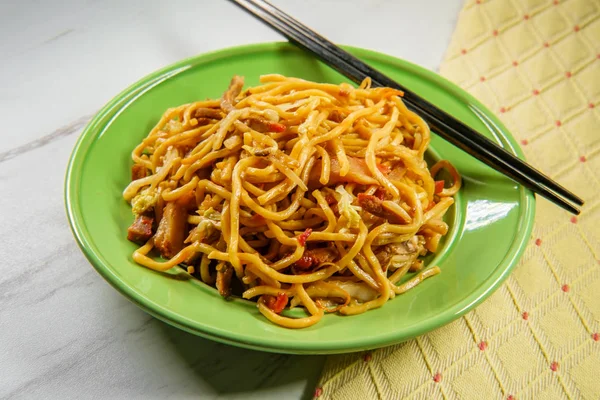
x,y
510,397
478,1
568,74
535,92
576,28
565,288
482,346
437,377
591,105
558,123
596,337
546,44
482,79
495,33
515,63
525,315
367,357
573,220
526,17
555,2
502,109
582,159
538,242
554,366
318,392
463,51
524,142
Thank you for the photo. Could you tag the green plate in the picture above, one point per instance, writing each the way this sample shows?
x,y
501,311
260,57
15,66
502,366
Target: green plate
x,y
490,223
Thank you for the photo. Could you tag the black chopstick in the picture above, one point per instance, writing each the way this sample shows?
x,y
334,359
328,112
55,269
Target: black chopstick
x,y
443,124
410,98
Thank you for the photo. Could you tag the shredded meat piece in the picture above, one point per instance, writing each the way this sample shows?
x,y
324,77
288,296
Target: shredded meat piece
x,y
212,113
358,173
224,274
315,257
141,229
235,88
336,116
385,253
172,229
378,208
138,171
262,125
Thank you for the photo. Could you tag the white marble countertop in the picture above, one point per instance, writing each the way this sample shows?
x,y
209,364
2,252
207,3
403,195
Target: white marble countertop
x,y
64,332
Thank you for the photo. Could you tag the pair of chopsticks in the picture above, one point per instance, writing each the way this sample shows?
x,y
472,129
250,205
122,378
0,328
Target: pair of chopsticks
x,y
446,126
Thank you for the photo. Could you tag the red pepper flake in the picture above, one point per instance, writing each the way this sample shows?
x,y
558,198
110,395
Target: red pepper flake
x,y
515,63
573,220
482,346
576,28
546,44
463,51
304,262
582,159
495,33
384,169
538,242
482,79
525,315
558,123
535,92
277,304
554,366
437,377
524,142
304,236
526,17
318,392
591,105
565,288
439,186
380,193
596,337
568,74
367,357
502,110
276,127
330,199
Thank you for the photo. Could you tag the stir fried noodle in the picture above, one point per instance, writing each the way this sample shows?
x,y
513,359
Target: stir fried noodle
x,y
298,194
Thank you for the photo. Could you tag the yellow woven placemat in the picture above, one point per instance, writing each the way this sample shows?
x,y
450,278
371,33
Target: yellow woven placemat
x,y
536,63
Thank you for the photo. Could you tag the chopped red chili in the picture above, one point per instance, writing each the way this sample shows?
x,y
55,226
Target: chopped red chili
x,y
303,236
276,127
439,186
277,304
330,199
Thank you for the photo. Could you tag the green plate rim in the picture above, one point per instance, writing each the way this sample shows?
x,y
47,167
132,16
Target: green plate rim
x,y
111,110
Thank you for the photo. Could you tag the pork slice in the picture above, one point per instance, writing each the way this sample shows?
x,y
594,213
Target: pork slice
x,y
141,229
377,207
138,171
358,173
172,229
